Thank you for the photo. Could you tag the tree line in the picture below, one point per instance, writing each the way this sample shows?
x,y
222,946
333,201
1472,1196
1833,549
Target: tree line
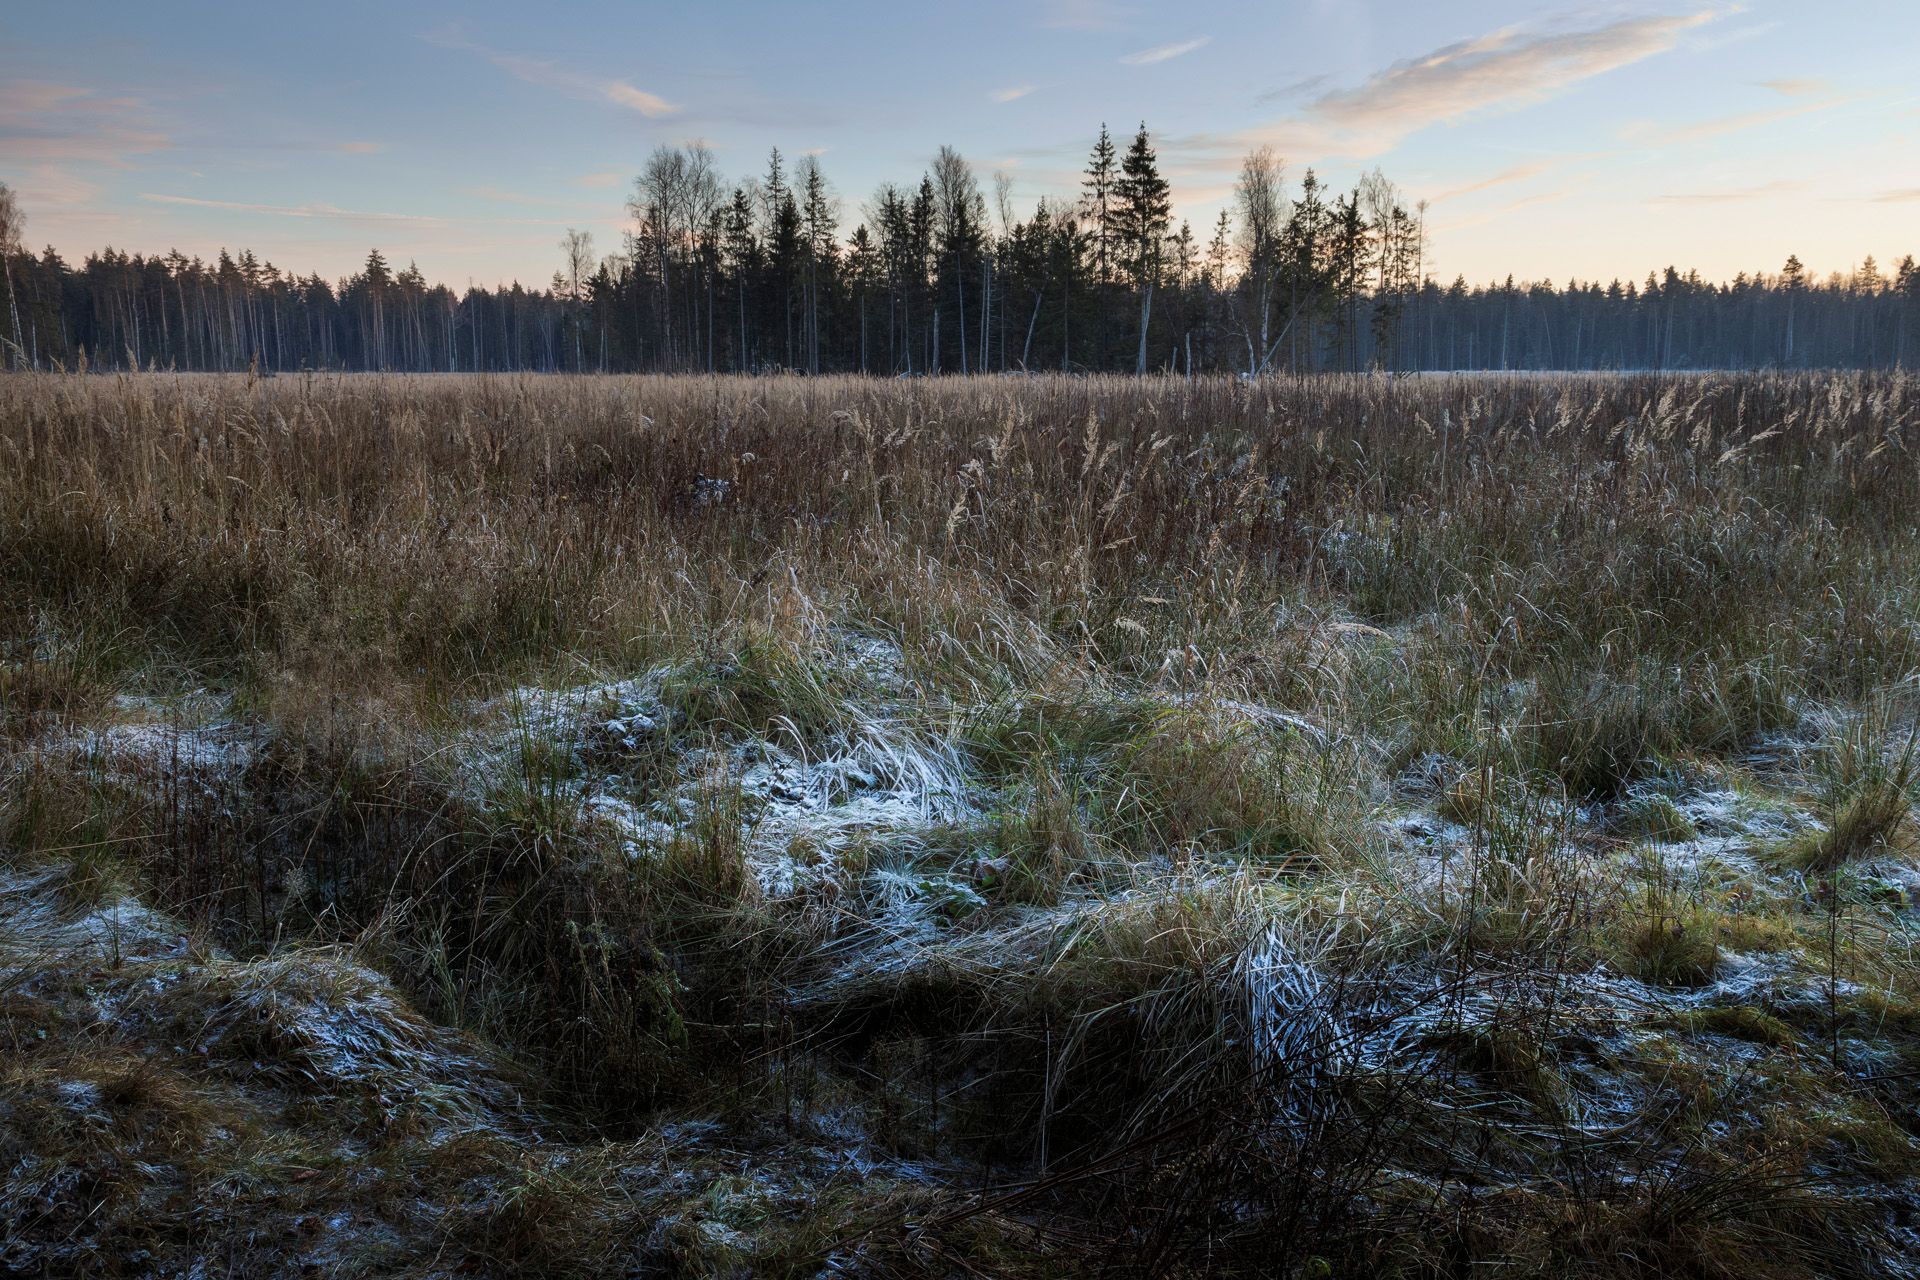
x,y
760,276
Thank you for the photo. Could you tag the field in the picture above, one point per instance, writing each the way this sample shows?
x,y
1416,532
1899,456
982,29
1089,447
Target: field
x,y
579,826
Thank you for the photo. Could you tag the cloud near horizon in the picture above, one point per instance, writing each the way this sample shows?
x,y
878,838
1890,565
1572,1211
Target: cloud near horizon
x,y
1734,195
293,211
1647,133
1518,173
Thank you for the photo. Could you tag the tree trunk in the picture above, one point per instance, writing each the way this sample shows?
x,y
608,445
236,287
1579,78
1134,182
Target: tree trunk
x,y
1146,313
1032,320
960,290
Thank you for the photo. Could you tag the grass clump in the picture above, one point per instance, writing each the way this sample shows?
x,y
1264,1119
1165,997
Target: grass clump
x,y
1868,790
1740,1022
1654,816
1668,944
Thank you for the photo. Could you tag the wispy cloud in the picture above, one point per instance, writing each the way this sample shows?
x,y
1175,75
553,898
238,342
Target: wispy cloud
x,y
1512,206
1518,173
1013,94
1296,89
605,178
618,92
1734,195
46,123
552,75
1904,195
1500,71
1503,69
293,211
1164,52
504,196
1648,133
358,148
50,186
1795,87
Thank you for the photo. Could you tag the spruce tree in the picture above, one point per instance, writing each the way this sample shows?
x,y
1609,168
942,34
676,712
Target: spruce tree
x,y
1099,186
1145,209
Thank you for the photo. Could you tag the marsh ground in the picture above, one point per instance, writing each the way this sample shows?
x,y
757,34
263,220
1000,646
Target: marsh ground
x,y
999,826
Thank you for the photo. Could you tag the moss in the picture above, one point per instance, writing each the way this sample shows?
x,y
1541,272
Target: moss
x,y
1755,931
1669,950
1656,817
1884,1013
1738,1022
1513,1061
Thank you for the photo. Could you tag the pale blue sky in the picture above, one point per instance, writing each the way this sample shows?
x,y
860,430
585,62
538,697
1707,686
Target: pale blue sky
x,y
1594,140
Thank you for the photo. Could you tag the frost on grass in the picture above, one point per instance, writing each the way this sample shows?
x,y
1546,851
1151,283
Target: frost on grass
x,y
157,744
298,1109
629,760
322,1021
37,920
317,1020
1369,981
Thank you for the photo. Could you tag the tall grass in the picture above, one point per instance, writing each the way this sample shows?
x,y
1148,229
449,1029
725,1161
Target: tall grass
x,y
1167,975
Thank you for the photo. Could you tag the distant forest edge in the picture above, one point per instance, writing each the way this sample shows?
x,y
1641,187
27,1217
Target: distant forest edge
x,y
758,278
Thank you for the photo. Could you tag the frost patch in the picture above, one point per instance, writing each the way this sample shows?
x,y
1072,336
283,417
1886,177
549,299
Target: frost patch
x,y
36,923
325,1021
879,782
802,802
155,750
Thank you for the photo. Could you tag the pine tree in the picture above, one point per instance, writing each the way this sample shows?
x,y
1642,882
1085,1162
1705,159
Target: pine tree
x,y
1793,279
1304,244
1351,258
377,280
1906,286
962,214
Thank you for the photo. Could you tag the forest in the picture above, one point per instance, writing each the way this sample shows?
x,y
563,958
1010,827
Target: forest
x,y
939,276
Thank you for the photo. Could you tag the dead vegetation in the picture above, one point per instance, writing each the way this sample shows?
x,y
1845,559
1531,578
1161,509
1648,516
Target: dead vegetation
x,y
795,827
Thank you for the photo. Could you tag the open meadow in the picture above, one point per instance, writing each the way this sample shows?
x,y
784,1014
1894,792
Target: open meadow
x,y
1013,826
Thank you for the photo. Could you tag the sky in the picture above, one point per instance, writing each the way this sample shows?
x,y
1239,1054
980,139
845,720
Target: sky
x,y
1592,141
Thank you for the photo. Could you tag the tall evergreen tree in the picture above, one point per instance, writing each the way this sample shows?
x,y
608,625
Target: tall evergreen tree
x,y
1098,186
1145,208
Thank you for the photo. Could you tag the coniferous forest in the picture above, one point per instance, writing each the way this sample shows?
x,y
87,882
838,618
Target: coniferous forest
x,y
938,276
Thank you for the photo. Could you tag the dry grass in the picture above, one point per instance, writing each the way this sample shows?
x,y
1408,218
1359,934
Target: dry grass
x,y
715,826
